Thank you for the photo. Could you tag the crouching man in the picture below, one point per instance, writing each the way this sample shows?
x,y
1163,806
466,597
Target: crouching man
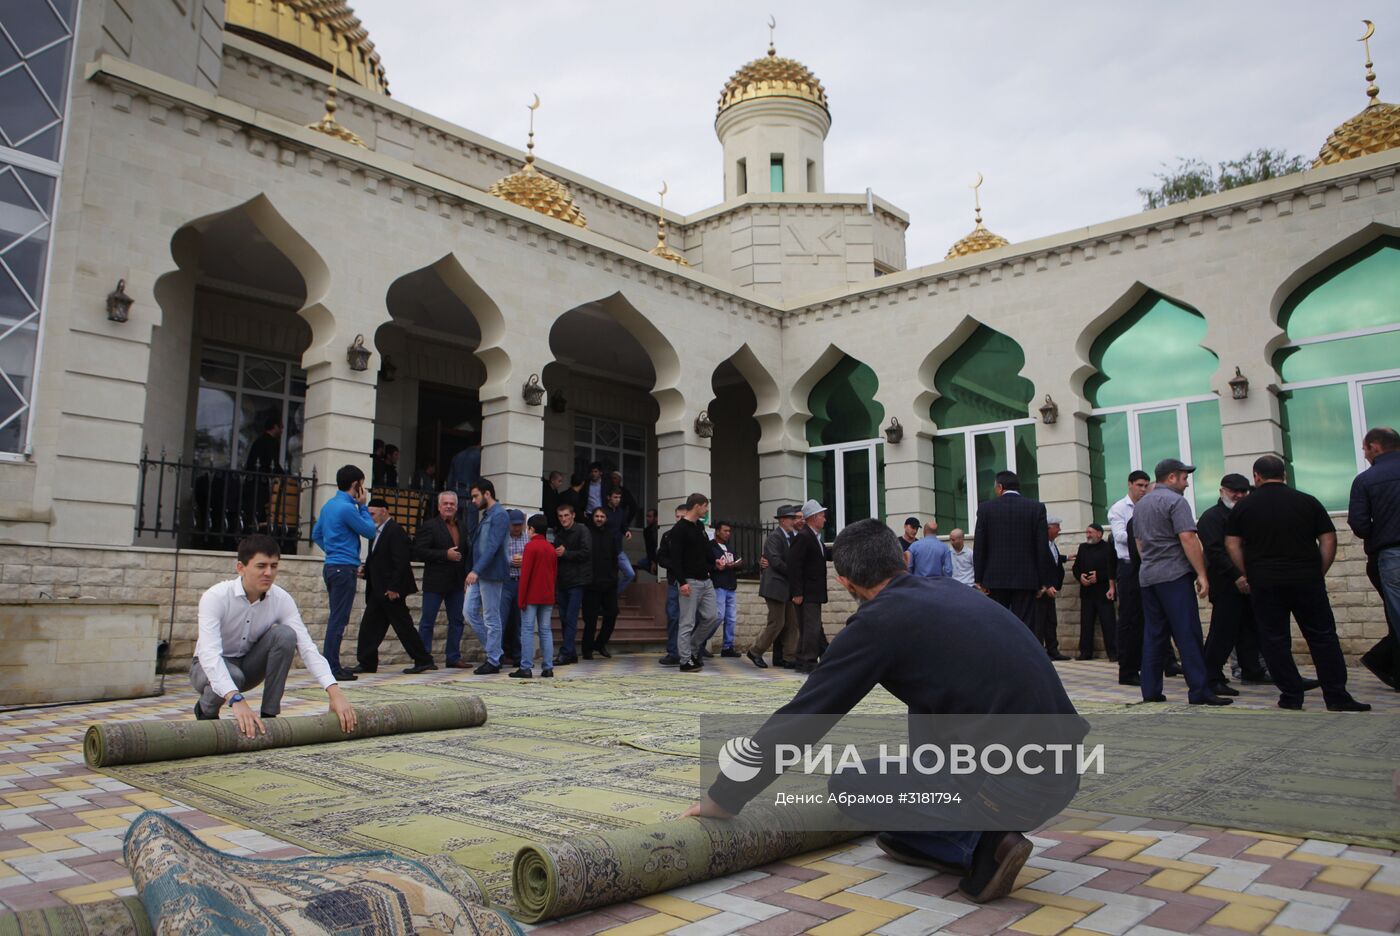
x,y
249,630
944,650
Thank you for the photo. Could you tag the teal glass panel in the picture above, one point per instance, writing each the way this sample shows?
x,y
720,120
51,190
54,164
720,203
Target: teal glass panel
x,y
1207,452
1157,439
1027,468
775,175
1152,352
821,477
1341,358
1361,291
856,487
988,457
1318,443
843,405
950,481
1380,404
981,382
1108,461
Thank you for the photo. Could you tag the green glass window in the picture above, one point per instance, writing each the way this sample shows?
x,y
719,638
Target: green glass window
x,y
1152,352
1361,291
1318,443
1363,354
1109,461
981,382
843,405
950,481
1027,468
775,175
1207,452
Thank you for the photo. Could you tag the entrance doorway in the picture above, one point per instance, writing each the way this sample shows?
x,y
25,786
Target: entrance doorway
x,y
848,480
449,420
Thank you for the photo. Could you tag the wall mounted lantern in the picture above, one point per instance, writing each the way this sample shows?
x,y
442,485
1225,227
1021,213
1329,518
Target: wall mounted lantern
x,y
894,432
119,303
357,354
533,391
704,426
1050,412
1239,385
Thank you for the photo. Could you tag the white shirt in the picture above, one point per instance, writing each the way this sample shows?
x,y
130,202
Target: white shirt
x,y
962,566
1118,516
229,624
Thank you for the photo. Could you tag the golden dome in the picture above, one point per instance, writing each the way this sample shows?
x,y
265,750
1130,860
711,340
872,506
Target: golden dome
x,y
325,33
530,188
1374,130
773,76
979,240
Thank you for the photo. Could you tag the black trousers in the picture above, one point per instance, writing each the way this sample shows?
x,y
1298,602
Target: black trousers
x,y
1232,627
809,633
1095,606
381,614
598,601
1018,601
1047,625
1129,621
1311,608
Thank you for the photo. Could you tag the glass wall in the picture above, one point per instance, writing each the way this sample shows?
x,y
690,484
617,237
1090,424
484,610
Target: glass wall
x,y
238,393
1152,400
984,426
845,461
1341,368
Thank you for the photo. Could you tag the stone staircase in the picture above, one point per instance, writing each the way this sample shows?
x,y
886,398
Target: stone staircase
x,y
641,618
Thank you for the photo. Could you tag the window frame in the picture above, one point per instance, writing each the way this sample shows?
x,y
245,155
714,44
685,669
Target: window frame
x,y
1354,384
286,397
641,492
1183,431
1008,427
871,448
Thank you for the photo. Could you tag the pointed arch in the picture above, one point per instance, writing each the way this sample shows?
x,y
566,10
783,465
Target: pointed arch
x,y
1148,347
840,402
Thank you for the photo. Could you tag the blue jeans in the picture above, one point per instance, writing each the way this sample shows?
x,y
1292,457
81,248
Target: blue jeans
x,y
626,574
432,601
342,581
484,615
534,620
1170,612
673,617
1388,567
510,618
728,601
570,603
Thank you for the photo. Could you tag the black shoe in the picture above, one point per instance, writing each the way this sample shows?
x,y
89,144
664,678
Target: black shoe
x,y
345,676
1379,671
1214,700
1172,671
1310,684
1082,658
1157,698
705,654
264,716
546,674
486,669
756,659
996,861
1057,657
805,668
905,855
588,654
1350,705
1129,681
1255,679
669,660
785,664
565,660
522,674
421,667
692,666
1223,689
729,652
603,652
1293,705
361,669
201,716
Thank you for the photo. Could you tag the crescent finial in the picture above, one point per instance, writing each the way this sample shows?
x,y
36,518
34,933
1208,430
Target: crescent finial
x,y
664,188
535,105
1370,30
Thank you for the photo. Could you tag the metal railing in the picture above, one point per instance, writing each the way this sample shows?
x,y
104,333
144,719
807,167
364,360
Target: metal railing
x,y
746,542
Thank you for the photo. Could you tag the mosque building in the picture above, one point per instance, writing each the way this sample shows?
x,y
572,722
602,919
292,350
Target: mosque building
x,y
215,215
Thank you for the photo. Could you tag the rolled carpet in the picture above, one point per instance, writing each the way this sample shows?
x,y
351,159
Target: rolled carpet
x,y
594,870
109,745
124,916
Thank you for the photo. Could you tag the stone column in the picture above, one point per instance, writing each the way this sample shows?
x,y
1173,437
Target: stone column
x,y
908,470
1251,427
682,468
1062,456
339,427
512,450
782,479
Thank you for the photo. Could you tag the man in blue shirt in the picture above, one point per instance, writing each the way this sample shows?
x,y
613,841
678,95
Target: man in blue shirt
x,y
930,556
490,569
338,530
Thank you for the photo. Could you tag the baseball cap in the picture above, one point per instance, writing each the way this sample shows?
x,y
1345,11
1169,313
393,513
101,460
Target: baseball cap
x,y
516,516
1172,465
1236,482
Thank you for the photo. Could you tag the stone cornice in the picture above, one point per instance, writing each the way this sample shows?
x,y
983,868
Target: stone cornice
x,y
228,123
708,216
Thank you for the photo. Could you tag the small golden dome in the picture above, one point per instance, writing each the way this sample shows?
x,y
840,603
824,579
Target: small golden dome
x,y
1374,130
773,76
979,240
326,33
530,188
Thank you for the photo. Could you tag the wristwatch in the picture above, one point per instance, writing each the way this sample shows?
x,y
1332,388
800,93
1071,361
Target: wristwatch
x,y
236,697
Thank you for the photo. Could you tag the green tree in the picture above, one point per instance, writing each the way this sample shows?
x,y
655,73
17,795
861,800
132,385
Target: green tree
x,y
1192,178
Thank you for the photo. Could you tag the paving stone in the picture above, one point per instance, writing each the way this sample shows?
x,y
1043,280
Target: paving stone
x,y
721,924
786,924
754,909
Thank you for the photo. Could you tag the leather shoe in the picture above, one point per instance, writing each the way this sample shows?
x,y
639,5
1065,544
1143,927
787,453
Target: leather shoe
x,y
603,652
785,664
1129,681
669,660
486,669
565,660
1214,700
995,864
521,674
547,674
729,652
1372,664
199,714
1310,684
345,675
361,669
1350,705
1057,657
421,668
1157,698
1224,689
1293,705
756,660
458,664
706,654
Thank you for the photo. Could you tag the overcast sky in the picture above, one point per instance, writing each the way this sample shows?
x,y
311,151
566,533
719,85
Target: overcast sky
x,y
1067,108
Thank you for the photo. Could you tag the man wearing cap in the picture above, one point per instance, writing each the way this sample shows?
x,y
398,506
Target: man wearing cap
x,y
1012,563
807,576
388,583
1284,543
930,556
912,526
1231,617
775,591
962,557
1172,562
1095,568
516,539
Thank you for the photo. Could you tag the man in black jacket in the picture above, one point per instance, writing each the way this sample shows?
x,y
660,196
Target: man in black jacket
x,y
1231,616
573,546
1012,561
438,545
780,632
1095,568
673,595
1047,620
1374,515
388,583
692,563
939,647
807,577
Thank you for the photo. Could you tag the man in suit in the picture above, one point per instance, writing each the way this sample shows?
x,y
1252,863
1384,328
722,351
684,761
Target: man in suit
x,y
438,545
1012,563
487,578
807,576
388,583
1095,569
775,591
1047,621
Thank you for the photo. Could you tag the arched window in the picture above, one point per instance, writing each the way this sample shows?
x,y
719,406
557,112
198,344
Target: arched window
x,y
846,460
1152,400
1340,370
984,426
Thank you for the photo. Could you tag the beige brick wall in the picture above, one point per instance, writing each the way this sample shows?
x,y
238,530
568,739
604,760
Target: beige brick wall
x,y
69,651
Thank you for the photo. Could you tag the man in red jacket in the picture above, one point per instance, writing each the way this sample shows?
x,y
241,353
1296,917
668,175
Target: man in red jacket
x,y
539,567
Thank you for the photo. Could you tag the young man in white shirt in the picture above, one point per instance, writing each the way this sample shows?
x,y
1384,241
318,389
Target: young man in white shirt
x,y
249,630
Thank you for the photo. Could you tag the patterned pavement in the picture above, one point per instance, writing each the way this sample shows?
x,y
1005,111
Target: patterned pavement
x,y
61,829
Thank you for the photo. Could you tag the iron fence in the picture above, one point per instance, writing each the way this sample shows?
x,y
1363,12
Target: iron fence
x,y
746,541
